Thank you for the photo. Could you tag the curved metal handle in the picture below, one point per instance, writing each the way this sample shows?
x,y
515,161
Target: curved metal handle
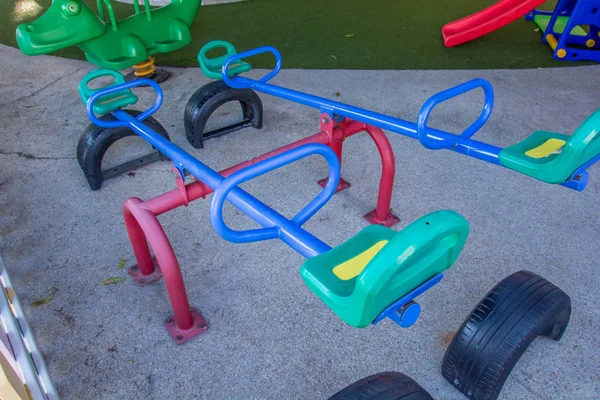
x,y
210,66
115,88
84,89
270,164
238,82
436,99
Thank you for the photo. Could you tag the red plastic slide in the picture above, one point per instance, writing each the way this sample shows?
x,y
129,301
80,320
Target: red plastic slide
x,y
487,20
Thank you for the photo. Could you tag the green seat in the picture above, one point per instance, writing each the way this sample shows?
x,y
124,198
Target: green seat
x,y
102,51
358,279
211,67
553,157
110,102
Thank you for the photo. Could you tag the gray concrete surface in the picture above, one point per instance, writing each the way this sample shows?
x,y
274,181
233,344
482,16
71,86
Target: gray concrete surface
x,y
269,336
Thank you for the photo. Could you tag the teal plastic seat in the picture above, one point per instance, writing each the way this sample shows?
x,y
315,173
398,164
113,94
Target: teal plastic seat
x,y
211,67
358,279
110,102
552,157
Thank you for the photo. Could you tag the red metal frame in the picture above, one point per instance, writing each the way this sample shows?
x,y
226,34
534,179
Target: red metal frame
x,y
145,231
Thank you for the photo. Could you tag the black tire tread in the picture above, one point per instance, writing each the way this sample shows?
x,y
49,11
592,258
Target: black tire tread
x,y
497,332
383,386
219,93
95,141
198,99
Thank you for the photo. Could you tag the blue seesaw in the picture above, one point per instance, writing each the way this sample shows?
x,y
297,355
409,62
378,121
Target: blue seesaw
x,y
376,274
547,156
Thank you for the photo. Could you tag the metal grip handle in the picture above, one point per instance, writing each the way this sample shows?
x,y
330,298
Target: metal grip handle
x,y
436,99
270,164
210,66
239,82
116,88
84,89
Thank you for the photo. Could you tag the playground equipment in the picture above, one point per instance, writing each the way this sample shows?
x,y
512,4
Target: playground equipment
x,y
361,277
376,274
205,101
547,156
95,141
563,29
116,45
23,373
111,44
487,20
570,16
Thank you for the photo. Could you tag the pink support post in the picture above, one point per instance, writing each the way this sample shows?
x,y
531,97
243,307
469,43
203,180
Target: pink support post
x,y
143,226
382,215
335,132
145,264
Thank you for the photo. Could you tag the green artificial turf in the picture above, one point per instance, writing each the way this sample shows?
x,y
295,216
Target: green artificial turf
x,y
341,34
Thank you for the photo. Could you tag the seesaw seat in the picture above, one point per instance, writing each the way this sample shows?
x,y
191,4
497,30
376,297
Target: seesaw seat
x,y
109,102
552,157
211,67
358,279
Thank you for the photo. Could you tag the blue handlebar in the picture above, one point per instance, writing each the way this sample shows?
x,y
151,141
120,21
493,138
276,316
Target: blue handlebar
x,y
280,160
239,82
438,98
429,137
116,88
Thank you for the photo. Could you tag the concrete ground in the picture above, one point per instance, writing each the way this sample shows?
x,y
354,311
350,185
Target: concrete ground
x,y
269,336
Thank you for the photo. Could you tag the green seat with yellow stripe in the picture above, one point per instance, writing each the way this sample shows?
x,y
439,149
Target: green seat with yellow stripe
x,y
358,279
553,157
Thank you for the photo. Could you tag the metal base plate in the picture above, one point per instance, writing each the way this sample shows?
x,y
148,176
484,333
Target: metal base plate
x,y
342,184
131,165
181,336
143,280
390,220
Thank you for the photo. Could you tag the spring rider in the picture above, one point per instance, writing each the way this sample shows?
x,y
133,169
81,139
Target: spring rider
x,y
116,45
113,44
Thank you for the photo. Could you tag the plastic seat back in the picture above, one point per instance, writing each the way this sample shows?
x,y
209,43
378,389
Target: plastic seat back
x,y
393,264
425,248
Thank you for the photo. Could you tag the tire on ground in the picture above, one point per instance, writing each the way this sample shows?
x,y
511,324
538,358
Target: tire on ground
x,y
489,343
95,141
383,386
210,97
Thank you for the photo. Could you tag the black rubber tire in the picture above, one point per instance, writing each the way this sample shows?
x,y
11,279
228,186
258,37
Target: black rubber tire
x,y
210,97
383,386
95,141
489,343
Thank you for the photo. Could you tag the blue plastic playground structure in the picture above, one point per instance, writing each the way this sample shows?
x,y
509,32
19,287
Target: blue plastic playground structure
x,y
571,30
